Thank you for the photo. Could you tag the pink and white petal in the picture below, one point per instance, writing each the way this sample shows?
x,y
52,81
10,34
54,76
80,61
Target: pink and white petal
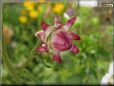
x,y
44,26
74,49
62,41
69,23
60,27
42,48
57,21
66,37
48,31
61,37
40,34
61,47
56,57
75,36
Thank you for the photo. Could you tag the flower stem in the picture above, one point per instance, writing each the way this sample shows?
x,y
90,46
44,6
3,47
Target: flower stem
x,y
25,64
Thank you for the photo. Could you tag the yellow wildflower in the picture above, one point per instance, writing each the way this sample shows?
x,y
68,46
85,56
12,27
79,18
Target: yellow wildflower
x,y
33,14
40,8
23,19
29,5
42,1
58,8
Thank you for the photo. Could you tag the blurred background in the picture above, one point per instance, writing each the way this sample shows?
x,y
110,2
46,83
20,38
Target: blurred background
x,y
22,64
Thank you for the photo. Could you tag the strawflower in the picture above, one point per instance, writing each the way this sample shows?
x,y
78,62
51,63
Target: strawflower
x,y
57,38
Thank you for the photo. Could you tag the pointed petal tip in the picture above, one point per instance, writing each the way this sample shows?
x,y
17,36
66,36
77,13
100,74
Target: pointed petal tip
x,y
40,34
42,48
75,36
74,18
44,25
37,33
71,21
74,49
57,58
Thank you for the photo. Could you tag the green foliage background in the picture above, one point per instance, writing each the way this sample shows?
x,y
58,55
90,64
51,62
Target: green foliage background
x,y
21,64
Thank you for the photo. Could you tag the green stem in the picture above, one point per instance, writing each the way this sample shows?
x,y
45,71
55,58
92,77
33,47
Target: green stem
x,y
9,65
30,56
44,62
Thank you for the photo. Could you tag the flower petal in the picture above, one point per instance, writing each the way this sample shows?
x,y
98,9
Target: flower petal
x,y
59,27
56,57
105,79
69,23
111,71
75,36
42,48
57,21
62,41
40,34
74,49
65,36
44,25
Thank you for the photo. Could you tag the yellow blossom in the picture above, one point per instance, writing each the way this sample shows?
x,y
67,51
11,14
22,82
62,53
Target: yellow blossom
x,y
23,19
29,5
33,14
58,8
40,8
42,1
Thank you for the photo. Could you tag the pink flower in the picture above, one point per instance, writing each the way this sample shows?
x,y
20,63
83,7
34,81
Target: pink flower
x,y
57,38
